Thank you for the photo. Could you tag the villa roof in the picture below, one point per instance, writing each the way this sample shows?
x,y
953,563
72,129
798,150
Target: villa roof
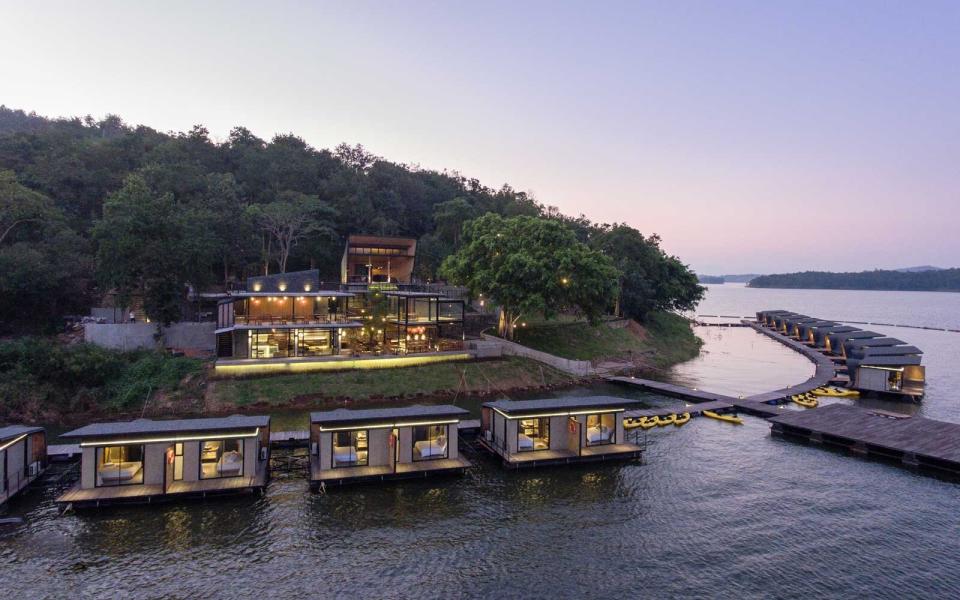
x,y
891,351
855,334
342,416
886,361
878,342
148,426
292,293
12,431
572,403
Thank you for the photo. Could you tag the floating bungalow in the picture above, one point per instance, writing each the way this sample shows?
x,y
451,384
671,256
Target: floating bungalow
x,y
850,345
836,340
23,458
807,331
821,334
352,446
146,461
530,433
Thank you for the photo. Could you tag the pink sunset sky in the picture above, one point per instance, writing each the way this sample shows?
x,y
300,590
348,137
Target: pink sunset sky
x,y
752,136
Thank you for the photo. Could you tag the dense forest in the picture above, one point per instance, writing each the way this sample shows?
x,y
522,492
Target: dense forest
x,y
89,206
942,280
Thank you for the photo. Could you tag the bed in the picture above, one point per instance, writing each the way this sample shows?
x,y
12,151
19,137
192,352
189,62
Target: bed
x,y
345,454
598,434
524,442
118,472
432,449
231,463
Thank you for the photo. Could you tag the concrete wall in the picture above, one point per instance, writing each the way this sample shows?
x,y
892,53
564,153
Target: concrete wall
x,y
135,336
580,368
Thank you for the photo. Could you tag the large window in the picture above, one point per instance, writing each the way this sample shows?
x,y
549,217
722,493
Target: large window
x,y
533,434
270,344
314,342
119,465
178,461
221,458
601,429
430,442
350,449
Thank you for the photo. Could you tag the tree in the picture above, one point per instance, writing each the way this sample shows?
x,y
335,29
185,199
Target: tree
x,y
449,218
649,278
289,219
531,265
143,249
20,206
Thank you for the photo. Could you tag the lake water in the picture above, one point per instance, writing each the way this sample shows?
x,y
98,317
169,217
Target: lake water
x,y
713,511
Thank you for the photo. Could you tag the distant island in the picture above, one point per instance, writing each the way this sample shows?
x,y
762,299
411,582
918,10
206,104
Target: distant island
x,y
920,279
742,278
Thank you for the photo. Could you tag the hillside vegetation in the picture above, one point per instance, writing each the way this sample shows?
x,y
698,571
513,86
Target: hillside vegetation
x,y
943,280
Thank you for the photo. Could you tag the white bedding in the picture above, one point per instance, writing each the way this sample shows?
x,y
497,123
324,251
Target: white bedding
x,y
598,434
119,471
524,442
427,449
231,463
345,454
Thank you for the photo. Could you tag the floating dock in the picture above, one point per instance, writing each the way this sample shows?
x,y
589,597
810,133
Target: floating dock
x,y
914,441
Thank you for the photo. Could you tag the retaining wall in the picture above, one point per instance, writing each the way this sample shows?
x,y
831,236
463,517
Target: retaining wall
x,y
580,368
136,336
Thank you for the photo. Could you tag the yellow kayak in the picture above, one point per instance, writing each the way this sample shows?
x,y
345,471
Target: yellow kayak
x,y
728,418
631,423
805,401
835,392
681,419
648,422
667,420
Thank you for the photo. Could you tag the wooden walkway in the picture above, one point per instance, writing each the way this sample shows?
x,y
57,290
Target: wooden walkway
x,y
694,410
914,441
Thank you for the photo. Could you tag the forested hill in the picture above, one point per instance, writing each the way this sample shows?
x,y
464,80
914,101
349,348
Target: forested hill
x,y
89,205
943,280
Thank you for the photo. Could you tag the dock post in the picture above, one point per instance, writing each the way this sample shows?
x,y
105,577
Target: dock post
x,y
910,459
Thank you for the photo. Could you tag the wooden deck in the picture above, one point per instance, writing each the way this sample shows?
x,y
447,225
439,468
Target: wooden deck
x,y
540,458
147,494
419,469
915,441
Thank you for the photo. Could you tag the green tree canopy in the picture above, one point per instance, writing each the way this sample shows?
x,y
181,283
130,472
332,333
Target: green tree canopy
x,y
531,265
649,278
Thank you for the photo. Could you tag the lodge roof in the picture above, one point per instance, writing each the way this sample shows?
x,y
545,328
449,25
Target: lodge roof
x,y
149,426
573,403
12,431
397,414
883,341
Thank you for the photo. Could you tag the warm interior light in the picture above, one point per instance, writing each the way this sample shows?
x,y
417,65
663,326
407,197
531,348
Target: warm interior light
x,y
386,425
190,438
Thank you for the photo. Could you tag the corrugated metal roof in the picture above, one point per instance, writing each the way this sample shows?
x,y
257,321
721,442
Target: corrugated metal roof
x,y
574,403
12,431
141,426
418,411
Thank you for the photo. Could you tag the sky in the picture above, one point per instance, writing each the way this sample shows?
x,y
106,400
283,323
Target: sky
x,y
754,137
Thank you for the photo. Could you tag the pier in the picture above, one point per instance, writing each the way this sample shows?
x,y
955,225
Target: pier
x,y
911,441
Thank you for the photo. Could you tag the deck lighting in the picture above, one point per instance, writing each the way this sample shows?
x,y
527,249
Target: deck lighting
x,y
185,438
565,281
306,287
562,414
386,425
283,286
12,442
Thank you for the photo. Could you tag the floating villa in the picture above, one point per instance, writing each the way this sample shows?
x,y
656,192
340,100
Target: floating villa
x,y
23,457
369,259
874,363
146,461
529,433
352,446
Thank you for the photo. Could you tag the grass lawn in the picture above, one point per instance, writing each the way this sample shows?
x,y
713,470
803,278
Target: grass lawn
x,y
479,376
665,339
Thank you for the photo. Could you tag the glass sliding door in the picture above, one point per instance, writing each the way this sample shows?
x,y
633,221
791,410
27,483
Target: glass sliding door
x,y
221,458
533,434
350,449
119,465
430,442
601,429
